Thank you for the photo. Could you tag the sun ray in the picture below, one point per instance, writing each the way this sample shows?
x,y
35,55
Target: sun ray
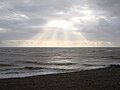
x,y
54,35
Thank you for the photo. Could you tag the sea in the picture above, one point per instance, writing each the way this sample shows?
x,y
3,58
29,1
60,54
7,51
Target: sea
x,y
27,61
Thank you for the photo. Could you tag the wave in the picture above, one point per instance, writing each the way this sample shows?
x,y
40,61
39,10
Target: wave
x,y
5,65
90,65
42,63
111,57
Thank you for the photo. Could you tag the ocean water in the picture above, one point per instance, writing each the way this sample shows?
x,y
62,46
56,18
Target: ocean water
x,y
23,62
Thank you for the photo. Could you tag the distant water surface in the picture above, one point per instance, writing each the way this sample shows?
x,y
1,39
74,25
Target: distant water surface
x,y
22,62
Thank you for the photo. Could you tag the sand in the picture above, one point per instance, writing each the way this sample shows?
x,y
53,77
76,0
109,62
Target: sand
x,y
98,79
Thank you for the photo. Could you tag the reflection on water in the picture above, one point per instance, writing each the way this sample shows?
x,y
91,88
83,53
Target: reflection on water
x,y
21,62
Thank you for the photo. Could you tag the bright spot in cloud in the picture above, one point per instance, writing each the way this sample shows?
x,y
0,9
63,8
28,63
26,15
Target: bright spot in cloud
x,y
86,18
2,30
87,12
75,19
63,24
60,13
16,16
26,1
88,15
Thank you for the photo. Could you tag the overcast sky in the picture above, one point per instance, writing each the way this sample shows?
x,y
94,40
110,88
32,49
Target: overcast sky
x,y
59,23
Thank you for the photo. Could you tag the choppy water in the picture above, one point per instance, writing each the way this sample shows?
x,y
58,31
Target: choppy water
x,y
22,62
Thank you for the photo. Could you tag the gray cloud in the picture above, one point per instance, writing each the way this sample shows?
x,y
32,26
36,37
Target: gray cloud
x,y
109,7
24,19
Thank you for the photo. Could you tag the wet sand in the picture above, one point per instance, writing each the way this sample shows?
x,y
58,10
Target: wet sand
x,y
98,79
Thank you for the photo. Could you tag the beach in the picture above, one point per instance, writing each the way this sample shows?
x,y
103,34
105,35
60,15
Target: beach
x,y
97,79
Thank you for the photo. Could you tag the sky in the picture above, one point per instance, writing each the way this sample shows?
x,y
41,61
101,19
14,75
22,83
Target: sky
x,y
59,23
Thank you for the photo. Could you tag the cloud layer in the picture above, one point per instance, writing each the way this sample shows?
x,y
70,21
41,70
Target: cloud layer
x,y
60,20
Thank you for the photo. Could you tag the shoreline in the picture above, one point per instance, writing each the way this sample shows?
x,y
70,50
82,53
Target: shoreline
x,y
52,73
58,71
107,78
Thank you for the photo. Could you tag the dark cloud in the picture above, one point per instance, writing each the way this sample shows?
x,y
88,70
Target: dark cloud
x,y
109,7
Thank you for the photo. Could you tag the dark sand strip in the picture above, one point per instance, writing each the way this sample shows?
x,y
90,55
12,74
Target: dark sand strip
x,y
100,79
